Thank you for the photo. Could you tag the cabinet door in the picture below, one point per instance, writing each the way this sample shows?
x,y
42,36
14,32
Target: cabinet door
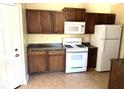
x,y
58,21
45,22
56,60
92,56
74,14
110,18
105,18
80,14
69,14
90,19
33,21
101,19
37,61
97,18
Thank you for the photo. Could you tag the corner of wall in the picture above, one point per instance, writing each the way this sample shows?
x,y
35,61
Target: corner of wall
x,y
118,10
23,29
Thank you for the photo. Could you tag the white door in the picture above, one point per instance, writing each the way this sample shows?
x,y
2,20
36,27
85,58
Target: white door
x,y
2,65
11,37
109,49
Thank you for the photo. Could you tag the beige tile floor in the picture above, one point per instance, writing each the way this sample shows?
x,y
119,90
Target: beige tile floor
x,y
60,80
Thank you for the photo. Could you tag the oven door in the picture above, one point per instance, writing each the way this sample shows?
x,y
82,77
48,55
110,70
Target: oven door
x,y
76,59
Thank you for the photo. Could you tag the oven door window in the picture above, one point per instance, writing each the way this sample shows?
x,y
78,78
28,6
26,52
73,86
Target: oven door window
x,y
76,57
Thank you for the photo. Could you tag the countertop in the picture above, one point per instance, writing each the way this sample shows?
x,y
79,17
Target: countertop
x,y
51,46
119,61
47,46
88,45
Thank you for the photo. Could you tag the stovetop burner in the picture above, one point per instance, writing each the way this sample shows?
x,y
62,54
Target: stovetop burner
x,y
80,46
68,46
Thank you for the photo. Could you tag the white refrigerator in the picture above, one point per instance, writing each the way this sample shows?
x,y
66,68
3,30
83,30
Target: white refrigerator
x,y
107,39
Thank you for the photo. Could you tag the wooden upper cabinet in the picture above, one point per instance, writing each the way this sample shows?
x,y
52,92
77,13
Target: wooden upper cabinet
x,y
100,19
90,23
52,22
74,14
33,21
105,18
39,21
45,21
80,14
110,19
69,14
93,19
58,22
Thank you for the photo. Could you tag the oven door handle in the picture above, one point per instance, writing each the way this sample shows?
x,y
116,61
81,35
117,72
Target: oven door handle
x,y
77,51
76,67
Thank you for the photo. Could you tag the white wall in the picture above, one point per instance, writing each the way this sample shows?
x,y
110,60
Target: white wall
x,y
90,7
23,29
54,38
118,9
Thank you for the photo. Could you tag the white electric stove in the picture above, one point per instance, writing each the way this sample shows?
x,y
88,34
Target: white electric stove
x,y
76,55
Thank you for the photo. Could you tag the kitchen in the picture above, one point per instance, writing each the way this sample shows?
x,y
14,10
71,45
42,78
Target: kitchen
x,y
49,34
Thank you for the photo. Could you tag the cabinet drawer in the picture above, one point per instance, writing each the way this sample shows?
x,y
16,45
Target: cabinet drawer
x,y
37,53
57,52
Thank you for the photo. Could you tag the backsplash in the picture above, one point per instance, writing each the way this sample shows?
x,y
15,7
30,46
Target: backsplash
x,y
54,38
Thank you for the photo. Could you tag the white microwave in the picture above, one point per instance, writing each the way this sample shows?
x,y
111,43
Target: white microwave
x,y
74,27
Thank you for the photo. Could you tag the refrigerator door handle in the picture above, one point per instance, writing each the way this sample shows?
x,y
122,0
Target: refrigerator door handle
x,y
103,40
103,43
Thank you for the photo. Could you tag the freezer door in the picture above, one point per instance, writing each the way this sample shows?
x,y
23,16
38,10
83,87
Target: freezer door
x,y
98,35
107,32
113,31
108,49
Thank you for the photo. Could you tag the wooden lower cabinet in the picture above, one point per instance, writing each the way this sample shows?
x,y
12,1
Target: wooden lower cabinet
x,y
37,61
92,57
46,61
56,61
116,78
